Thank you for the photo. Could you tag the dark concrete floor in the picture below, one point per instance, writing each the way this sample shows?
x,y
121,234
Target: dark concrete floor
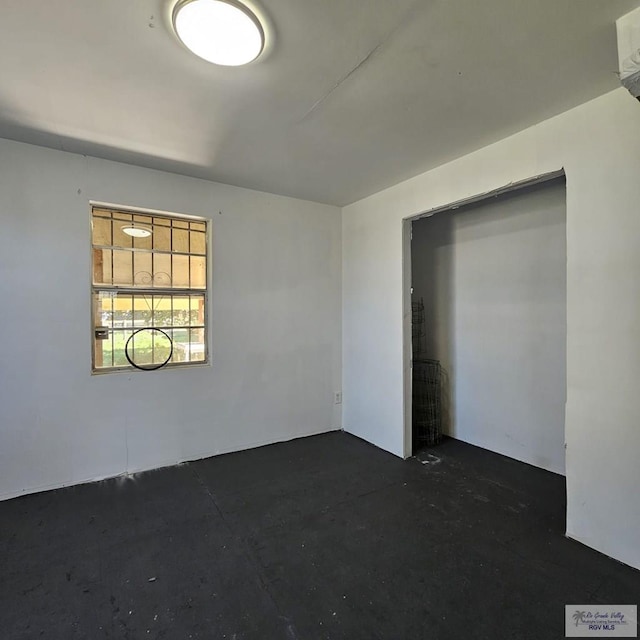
x,y
324,537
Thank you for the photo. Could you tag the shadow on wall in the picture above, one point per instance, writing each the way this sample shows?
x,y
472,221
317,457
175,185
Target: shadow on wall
x,y
432,272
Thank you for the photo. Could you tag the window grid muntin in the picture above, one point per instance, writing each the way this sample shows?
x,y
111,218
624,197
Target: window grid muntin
x,y
128,328
195,347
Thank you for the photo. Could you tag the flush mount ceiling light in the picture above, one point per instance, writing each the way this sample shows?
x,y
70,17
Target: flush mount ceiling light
x,y
221,31
136,232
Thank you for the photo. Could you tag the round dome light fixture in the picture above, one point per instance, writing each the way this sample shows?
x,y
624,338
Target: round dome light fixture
x,y
224,32
136,231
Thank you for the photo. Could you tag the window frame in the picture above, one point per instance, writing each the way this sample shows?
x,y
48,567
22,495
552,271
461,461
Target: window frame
x,y
133,290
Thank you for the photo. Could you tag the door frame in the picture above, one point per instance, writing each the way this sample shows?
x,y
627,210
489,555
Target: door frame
x,y
407,280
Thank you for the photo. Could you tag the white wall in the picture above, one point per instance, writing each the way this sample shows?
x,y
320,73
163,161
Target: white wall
x,y
275,319
493,280
597,144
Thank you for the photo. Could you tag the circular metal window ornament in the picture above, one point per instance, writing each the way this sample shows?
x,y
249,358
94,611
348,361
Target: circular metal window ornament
x,y
224,32
153,350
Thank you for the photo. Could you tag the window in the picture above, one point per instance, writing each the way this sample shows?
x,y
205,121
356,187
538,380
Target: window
x,y
149,290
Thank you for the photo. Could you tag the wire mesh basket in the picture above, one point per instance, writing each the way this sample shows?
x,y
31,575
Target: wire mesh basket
x,y
417,328
427,386
427,406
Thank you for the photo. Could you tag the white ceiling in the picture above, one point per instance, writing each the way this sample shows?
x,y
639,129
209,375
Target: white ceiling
x,y
352,95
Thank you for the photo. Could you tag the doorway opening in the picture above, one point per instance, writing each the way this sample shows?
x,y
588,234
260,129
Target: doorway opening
x,y
486,324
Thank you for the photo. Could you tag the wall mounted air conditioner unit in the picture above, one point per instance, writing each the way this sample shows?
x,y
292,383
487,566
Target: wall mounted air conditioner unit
x,y
628,28
630,74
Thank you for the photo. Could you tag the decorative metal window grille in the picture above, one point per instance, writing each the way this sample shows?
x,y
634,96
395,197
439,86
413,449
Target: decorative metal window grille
x,y
149,290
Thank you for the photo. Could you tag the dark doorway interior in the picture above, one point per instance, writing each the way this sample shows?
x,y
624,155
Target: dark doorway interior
x,y
489,282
